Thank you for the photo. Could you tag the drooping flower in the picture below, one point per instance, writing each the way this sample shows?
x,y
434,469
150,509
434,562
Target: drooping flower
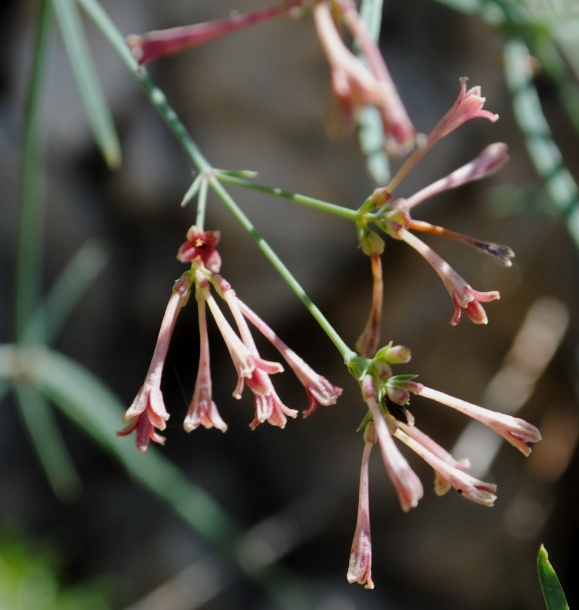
x,y
162,43
514,430
148,411
471,488
356,85
360,564
406,484
388,411
202,410
252,370
464,297
318,388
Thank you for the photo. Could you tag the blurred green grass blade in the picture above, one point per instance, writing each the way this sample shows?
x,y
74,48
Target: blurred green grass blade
x,y
89,87
543,151
31,202
67,291
95,409
370,127
48,442
91,405
372,145
557,69
485,9
371,13
552,590
104,23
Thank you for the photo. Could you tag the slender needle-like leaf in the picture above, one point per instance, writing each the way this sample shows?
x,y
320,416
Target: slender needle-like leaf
x,y
39,419
88,84
66,292
29,259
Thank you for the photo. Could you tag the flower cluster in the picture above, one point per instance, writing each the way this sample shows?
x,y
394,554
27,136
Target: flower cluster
x,y
393,216
387,397
147,413
356,83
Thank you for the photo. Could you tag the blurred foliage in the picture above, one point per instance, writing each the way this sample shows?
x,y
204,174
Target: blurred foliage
x,y
31,579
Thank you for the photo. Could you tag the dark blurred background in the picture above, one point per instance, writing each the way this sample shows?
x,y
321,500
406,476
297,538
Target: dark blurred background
x,y
259,100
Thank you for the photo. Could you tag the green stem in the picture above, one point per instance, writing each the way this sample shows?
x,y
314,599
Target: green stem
x,y
29,259
274,259
201,204
318,204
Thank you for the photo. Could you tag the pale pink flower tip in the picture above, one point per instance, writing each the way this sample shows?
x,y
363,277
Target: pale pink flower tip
x,y
468,105
146,413
516,431
470,303
145,432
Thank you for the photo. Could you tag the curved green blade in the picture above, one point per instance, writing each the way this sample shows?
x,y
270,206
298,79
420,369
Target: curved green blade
x,y
552,590
89,87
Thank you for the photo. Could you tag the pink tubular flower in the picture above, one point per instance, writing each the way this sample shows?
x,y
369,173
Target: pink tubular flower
x,y
463,296
354,85
473,489
514,430
318,388
268,406
147,411
202,410
407,485
441,484
493,158
162,43
251,368
468,105
360,565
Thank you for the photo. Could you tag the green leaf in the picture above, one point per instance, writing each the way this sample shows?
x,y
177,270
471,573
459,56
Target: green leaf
x,y
66,292
543,151
39,418
89,87
552,590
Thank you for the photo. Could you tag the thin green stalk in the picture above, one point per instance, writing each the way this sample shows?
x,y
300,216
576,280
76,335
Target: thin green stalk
x,y
274,259
29,259
317,204
201,204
